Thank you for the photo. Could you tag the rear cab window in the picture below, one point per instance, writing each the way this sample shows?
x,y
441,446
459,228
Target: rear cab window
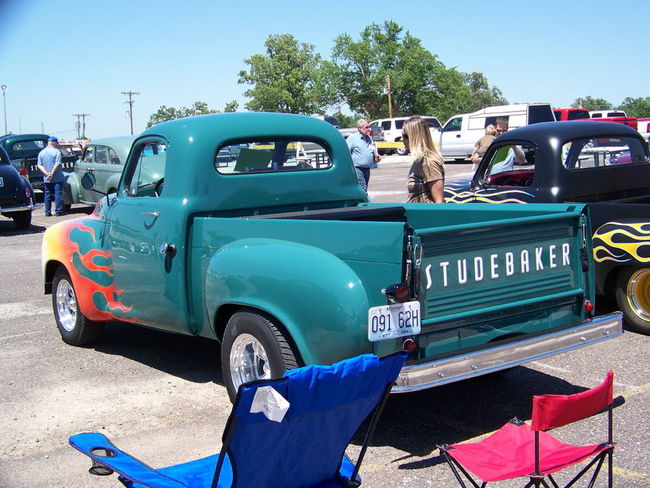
x,y
604,151
271,156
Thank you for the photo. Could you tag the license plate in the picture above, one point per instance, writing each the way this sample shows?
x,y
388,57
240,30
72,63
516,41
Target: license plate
x,y
391,321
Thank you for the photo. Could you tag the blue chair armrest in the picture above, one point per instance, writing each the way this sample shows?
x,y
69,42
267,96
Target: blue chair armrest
x,y
99,448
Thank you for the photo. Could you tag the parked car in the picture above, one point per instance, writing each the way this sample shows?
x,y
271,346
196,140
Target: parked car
x,y
391,128
571,113
461,131
16,194
617,116
603,164
23,152
105,159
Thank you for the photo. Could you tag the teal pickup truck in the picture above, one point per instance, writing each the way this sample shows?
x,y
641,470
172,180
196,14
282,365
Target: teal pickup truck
x,y
251,229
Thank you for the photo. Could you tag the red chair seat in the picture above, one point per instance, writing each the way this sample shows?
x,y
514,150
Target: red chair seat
x,y
510,453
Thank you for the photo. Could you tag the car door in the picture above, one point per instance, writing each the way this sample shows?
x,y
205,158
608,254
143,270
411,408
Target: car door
x,y
146,242
102,169
86,165
451,142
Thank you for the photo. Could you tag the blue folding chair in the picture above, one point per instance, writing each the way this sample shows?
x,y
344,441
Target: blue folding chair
x,y
327,405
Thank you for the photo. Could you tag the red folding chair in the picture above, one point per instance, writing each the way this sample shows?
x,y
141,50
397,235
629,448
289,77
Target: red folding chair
x,y
518,449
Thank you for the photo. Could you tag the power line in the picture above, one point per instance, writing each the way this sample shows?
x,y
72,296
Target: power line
x,y
130,102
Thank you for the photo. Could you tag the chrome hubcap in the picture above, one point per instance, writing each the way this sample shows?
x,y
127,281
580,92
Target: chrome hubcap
x,y
638,293
248,361
66,305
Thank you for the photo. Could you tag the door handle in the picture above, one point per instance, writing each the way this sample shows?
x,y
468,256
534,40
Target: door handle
x,y
457,136
151,214
168,249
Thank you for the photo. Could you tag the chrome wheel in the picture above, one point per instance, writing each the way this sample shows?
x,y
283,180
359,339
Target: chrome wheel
x,y
638,293
248,360
66,305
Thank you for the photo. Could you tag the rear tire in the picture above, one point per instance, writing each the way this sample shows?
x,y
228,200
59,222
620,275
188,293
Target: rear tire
x,y
253,348
75,329
22,220
633,298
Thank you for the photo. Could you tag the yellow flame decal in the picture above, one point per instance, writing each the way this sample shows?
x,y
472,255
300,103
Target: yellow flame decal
x,y
622,242
453,196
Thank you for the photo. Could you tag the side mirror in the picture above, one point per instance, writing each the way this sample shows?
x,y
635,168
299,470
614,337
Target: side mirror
x,y
88,181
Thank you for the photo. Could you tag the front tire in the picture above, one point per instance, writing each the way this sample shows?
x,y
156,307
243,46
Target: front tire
x,y
633,298
75,329
253,348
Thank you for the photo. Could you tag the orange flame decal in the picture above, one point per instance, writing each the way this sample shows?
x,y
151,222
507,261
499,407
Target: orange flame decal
x,y
74,243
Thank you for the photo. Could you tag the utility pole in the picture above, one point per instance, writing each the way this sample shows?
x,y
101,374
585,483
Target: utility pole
x,y
130,102
390,101
4,103
81,125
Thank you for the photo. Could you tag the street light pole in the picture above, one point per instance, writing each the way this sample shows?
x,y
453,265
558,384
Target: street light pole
x,y
4,103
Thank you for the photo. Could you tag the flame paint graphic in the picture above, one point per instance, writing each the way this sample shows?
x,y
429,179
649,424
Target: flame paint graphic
x,y
75,244
454,196
622,242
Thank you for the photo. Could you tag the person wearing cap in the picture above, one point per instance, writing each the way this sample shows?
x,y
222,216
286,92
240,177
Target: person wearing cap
x,y
49,163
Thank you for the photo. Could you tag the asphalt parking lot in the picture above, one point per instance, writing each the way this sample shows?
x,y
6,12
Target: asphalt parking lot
x,y
161,396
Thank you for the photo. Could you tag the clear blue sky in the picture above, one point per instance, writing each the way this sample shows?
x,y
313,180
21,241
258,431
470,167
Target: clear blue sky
x,y
72,56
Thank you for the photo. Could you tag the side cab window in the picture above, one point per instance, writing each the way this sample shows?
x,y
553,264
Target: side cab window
x,y
509,165
146,172
453,125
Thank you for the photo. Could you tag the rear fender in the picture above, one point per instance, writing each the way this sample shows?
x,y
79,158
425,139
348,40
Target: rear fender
x,y
317,298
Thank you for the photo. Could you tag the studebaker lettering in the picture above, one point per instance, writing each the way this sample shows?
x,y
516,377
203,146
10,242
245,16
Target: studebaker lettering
x,y
499,265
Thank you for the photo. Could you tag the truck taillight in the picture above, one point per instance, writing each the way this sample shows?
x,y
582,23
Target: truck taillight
x,y
409,345
589,307
397,293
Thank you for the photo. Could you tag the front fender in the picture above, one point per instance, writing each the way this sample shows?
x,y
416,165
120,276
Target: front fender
x,y
319,299
72,188
77,245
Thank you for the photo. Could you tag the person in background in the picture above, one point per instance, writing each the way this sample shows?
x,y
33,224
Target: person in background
x,y
364,152
49,163
513,156
426,178
482,144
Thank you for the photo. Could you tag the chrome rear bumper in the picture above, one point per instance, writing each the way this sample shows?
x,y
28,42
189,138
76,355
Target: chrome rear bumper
x,y
448,370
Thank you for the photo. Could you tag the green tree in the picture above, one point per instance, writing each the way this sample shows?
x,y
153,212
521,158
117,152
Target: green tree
x,y
165,113
419,82
591,103
231,106
284,79
636,107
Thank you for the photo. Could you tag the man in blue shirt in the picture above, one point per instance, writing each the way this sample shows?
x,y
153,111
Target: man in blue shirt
x,y
49,163
364,152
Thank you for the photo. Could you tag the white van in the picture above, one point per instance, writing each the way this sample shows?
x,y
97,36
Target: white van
x,y
392,128
460,133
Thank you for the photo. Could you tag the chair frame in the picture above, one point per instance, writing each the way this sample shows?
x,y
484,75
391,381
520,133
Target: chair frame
x,y
349,483
537,478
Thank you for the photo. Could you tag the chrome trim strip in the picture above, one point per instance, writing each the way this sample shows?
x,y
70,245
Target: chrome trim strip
x,y
449,370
